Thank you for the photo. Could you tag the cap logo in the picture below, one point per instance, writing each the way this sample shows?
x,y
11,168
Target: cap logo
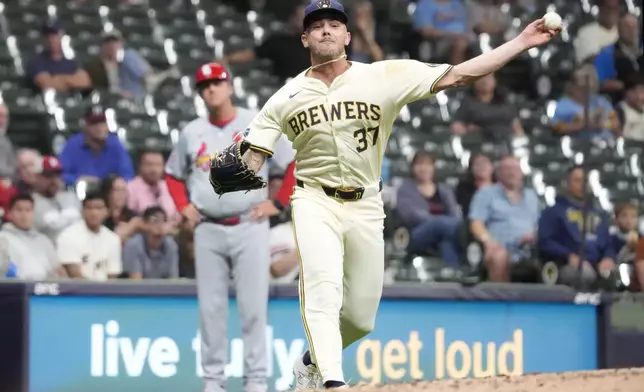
x,y
324,4
53,161
205,70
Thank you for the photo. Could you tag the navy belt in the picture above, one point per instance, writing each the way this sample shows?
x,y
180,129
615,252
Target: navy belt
x,y
346,194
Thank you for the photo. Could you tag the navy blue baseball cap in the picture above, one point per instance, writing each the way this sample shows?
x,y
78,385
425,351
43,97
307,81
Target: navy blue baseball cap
x,y
51,26
324,9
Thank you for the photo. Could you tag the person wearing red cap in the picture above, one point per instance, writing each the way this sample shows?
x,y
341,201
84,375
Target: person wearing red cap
x,y
230,233
54,207
339,115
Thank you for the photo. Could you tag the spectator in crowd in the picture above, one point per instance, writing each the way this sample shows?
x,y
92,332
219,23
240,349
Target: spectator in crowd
x,y
430,211
31,252
151,254
283,48
486,17
96,152
364,47
568,118
55,207
487,110
7,152
28,159
595,36
503,218
631,110
87,249
7,192
616,63
285,265
480,173
118,69
51,69
149,187
561,230
624,235
120,219
444,23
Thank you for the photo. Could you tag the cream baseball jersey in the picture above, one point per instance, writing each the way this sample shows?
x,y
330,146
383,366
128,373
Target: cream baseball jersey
x,y
340,132
190,162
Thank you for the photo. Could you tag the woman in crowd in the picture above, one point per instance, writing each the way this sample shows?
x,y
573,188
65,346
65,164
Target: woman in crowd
x,y
487,110
430,211
480,173
120,219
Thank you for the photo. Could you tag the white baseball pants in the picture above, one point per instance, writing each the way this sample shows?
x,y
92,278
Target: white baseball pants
x,y
341,250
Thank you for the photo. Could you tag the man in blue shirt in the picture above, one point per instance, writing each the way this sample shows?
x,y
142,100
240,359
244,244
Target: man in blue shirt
x,y
50,69
504,218
152,254
118,68
95,153
568,118
445,24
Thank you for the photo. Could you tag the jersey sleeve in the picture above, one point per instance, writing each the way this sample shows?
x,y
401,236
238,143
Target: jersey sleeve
x,y
412,80
264,131
177,164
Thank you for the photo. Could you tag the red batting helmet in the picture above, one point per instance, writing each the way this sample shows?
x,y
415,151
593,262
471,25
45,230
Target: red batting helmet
x,y
211,71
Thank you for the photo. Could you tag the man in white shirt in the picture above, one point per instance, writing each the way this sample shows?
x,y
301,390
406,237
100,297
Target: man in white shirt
x,y
595,36
87,249
631,110
31,252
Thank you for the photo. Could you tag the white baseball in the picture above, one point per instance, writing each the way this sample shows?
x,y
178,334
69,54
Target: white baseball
x,y
552,21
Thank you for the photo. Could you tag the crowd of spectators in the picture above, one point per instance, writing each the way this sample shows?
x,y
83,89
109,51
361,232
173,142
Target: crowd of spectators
x,y
87,214
90,212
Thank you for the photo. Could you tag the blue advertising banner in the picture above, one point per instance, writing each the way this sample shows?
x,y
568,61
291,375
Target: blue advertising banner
x,y
126,344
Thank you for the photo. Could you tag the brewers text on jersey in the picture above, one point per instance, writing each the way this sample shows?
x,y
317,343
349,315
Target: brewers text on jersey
x,y
322,113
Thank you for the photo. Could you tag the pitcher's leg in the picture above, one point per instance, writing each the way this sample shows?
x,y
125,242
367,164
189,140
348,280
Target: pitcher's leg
x,y
250,254
319,243
213,274
364,265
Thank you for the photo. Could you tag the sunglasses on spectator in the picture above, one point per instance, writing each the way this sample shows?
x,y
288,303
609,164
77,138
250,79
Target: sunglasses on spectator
x,y
156,219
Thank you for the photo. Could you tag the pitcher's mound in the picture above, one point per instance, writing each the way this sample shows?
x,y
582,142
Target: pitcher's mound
x,y
618,380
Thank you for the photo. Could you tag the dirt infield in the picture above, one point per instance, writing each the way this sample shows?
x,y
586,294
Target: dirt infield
x,y
621,380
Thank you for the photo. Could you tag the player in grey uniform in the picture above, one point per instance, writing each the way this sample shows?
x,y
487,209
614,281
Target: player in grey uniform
x,y
223,229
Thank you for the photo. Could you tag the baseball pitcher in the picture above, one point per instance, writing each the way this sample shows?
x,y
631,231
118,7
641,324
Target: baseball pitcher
x,y
339,114
231,234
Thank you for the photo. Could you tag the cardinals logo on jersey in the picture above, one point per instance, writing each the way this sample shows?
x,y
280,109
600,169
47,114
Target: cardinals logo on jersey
x,y
202,159
238,136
